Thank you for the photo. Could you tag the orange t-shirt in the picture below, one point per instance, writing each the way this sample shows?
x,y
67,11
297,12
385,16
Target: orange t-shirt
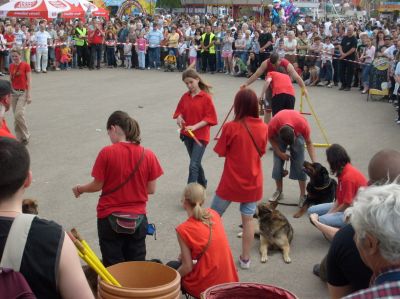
x,y
281,83
349,181
18,76
291,118
195,109
216,265
242,178
5,131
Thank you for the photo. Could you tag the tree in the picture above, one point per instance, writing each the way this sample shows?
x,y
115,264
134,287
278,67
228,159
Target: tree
x,y
169,3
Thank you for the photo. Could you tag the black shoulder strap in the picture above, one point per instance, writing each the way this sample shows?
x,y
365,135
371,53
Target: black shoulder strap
x,y
135,169
252,138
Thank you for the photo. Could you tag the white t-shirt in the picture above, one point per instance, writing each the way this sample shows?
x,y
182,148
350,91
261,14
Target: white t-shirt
x,y
290,44
182,48
326,50
41,38
327,29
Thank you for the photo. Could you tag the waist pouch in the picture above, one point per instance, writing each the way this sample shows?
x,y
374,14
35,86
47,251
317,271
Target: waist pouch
x,y
125,223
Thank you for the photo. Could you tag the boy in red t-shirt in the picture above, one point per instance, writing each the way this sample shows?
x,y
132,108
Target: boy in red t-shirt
x,y
20,77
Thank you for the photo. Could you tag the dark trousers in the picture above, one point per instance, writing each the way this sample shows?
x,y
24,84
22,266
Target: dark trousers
x,y
282,101
264,56
208,59
82,53
135,59
117,248
196,152
95,55
346,73
111,56
336,71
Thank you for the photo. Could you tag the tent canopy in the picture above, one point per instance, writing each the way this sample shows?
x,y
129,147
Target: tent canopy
x,y
47,9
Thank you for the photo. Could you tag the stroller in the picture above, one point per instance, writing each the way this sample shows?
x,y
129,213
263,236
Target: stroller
x,y
379,78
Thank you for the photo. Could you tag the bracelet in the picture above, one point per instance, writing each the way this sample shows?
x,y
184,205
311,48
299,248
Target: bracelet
x,y
77,189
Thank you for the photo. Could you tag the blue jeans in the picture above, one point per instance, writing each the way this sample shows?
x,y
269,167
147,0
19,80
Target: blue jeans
x,y
296,161
331,219
220,60
154,57
196,171
326,72
142,59
111,56
365,74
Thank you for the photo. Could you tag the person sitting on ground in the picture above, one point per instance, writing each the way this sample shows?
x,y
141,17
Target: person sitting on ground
x,y
375,217
239,67
170,62
50,262
252,64
350,180
5,101
206,258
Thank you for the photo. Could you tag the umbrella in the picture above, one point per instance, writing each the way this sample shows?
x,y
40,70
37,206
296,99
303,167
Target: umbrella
x,y
47,9
81,8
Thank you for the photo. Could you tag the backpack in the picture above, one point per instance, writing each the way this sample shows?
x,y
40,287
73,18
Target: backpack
x,y
12,283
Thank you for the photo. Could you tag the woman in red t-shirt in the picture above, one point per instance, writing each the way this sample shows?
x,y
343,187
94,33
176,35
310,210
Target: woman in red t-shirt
x,y
205,258
126,173
242,143
195,114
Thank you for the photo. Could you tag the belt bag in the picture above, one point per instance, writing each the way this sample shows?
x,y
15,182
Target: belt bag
x,y
125,223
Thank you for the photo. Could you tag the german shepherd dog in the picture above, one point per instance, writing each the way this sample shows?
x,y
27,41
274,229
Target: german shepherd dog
x,y
320,189
30,206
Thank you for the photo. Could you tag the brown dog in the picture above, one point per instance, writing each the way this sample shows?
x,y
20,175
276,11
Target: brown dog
x,y
275,232
30,206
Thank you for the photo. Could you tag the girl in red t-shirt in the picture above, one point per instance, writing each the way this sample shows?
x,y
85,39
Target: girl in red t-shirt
x,y
206,258
242,143
126,173
195,114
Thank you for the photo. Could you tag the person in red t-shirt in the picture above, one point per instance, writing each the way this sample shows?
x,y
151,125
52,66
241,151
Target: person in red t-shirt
x,y
283,94
5,99
126,173
202,238
96,38
195,114
20,77
288,128
349,181
242,143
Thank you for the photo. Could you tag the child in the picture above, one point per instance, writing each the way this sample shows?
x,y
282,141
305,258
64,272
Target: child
x,y
110,42
182,58
141,47
195,114
170,62
66,56
252,64
192,53
306,75
326,72
128,53
281,49
239,67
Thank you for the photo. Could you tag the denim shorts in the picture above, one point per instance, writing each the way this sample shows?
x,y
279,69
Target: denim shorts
x,y
220,205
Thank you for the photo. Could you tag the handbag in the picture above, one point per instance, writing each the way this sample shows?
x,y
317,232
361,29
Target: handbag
x,y
252,138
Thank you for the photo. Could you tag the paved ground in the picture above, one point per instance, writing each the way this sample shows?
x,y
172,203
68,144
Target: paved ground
x,y
67,120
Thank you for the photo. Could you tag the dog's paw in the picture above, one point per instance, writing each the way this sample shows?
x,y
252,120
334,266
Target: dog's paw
x,y
287,260
264,259
239,235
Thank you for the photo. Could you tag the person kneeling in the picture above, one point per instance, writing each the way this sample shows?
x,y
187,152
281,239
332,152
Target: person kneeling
x,y
206,258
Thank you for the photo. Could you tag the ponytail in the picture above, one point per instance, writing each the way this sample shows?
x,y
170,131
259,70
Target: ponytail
x,y
195,195
128,125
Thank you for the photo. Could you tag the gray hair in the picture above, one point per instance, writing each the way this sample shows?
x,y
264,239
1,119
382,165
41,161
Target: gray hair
x,y
376,211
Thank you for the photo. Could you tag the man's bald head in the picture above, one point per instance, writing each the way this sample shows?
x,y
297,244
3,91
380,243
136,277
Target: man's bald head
x,y
384,166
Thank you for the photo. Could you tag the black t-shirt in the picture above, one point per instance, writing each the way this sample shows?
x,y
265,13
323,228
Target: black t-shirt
x,y
344,264
263,39
41,256
347,44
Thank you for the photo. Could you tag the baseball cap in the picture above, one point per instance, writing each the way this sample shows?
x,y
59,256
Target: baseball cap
x,y
5,88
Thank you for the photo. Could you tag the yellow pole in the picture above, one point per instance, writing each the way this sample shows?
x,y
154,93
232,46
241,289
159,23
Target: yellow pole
x,y
317,120
92,265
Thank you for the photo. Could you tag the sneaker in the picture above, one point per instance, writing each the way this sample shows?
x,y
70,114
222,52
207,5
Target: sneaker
x,y
302,199
148,68
330,85
158,68
321,84
58,69
44,72
244,264
277,196
398,122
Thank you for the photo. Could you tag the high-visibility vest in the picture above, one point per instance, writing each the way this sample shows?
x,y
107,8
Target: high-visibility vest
x,y
211,49
79,41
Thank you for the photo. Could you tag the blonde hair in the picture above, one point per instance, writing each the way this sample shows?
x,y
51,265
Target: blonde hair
x,y
195,195
191,73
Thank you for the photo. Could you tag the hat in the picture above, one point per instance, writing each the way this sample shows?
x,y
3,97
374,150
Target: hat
x,y
5,88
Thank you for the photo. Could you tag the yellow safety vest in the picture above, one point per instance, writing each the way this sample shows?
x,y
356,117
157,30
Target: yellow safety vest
x,y
211,50
79,41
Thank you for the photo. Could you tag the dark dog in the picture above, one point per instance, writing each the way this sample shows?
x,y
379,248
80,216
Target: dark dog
x,y
320,189
30,206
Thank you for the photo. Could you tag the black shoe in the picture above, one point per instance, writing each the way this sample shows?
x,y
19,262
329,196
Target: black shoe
x,y
315,270
335,83
342,87
347,89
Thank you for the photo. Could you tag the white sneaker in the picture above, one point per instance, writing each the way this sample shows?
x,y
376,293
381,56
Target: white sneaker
x,y
398,122
329,85
244,264
321,84
277,196
302,199
158,68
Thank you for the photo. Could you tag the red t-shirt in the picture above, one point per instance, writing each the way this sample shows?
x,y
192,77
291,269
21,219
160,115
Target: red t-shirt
x,y
10,39
96,37
291,118
281,83
349,181
216,265
18,75
242,178
195,109
271,68
113,165
5,131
